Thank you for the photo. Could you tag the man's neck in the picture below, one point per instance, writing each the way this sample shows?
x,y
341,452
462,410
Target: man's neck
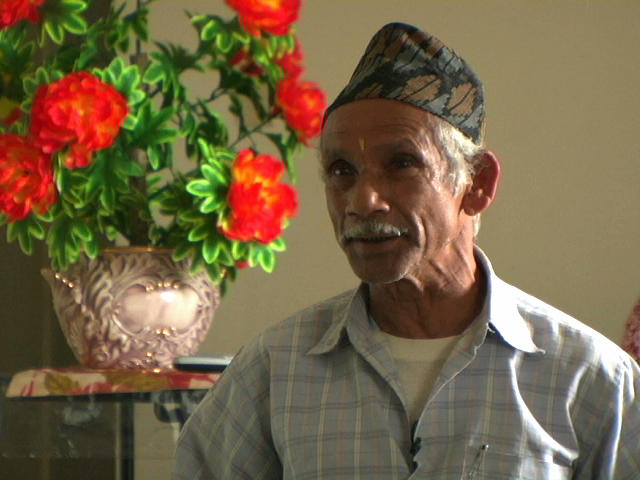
x,y
441,307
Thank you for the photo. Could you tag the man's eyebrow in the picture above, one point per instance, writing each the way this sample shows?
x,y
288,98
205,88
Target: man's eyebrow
x,y
406,142
331,152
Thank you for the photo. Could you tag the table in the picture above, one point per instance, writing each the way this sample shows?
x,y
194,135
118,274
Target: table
x,y
80,413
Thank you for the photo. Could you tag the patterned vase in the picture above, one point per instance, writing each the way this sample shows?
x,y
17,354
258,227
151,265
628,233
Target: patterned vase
x,y
132,308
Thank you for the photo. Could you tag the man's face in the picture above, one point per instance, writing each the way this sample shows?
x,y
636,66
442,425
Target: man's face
x,y
392,212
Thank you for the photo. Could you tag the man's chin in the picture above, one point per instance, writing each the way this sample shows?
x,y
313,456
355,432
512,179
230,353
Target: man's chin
x,y
372,275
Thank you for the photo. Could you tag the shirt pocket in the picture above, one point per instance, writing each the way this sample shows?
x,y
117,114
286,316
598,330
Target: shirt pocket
x,y
486,463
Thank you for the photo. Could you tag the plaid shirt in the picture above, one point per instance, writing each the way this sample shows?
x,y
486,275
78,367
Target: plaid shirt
x,y
536,395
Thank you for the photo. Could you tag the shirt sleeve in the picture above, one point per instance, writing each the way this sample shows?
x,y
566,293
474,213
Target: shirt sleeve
x,y
616,455
228,436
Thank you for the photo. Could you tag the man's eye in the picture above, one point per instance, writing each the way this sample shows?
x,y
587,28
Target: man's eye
x,y
404,161
339,168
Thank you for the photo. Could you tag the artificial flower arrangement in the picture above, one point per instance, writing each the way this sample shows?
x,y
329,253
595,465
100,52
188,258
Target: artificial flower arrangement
x,y
90,114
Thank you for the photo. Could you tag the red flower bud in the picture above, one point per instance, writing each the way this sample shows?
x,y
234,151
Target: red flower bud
x,y
303,104
273,16
80,112
291,62
26,178
259,203
13,11
243,62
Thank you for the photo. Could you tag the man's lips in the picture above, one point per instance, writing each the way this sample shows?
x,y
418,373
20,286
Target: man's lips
x,y
372,232
370,239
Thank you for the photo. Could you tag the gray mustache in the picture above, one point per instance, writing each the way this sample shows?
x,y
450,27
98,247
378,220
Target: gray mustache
x,y
372,229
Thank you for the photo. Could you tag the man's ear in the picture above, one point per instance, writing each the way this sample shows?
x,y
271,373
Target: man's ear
x,y
482,191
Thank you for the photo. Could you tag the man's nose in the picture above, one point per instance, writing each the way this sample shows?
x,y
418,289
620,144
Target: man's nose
x,y
367,197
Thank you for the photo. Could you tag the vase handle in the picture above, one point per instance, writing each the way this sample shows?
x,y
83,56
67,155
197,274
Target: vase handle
x,y
57,280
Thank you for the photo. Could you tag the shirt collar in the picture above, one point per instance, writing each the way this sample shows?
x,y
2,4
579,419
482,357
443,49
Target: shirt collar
x,y
503,313
350,315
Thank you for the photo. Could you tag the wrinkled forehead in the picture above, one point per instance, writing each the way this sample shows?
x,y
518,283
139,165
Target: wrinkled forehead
x,y
377,122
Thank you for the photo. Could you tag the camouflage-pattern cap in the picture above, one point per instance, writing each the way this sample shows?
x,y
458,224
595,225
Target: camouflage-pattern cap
x,y
405,64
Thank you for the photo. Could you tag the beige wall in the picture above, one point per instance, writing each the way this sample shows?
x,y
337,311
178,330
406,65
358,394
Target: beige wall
x,y
563,89
563,86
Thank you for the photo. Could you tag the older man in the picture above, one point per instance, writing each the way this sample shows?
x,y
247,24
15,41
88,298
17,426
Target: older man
x,y
434,367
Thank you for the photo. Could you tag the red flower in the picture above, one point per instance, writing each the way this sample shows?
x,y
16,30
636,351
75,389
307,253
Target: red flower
x,y
259,203
291,62
273,16
303,104
81,112
26,178
12,11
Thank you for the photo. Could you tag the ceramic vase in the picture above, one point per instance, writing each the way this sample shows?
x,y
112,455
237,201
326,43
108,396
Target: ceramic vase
x,y
132,308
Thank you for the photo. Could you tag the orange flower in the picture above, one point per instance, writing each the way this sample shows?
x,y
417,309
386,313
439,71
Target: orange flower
x,y
12,11
259,203
303,104
291,62
273,16
80,112
26,178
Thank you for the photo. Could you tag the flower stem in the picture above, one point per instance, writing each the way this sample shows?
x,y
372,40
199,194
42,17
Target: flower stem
x,y
248,133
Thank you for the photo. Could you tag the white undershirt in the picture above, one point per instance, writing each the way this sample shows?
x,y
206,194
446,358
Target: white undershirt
x,y
419,362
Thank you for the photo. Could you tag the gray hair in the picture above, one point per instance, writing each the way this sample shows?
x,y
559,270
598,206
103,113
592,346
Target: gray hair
x,y
461,154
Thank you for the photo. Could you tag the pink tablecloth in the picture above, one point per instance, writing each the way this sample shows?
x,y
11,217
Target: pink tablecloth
x,y
42,382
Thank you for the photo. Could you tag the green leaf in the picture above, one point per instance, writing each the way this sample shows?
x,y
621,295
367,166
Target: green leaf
x,y
25,231
214,272
189,124
199,188
214,175
278,245
242,36
26,244
224,256
182,251
75,24
108,199
155,73
267,260
225,41
239,251
111,232
91,247
205,151
196,264
63,244
199,233
108,177
210,248
81,230
210,30
211,204
151,126
160,135
55,31
154,156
